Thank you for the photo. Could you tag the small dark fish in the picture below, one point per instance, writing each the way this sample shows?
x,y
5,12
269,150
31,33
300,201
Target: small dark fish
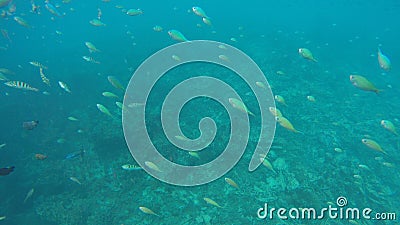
x,y
30,125
6,170
75,154
4,32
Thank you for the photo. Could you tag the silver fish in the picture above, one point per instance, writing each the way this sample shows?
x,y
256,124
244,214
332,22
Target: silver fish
x,y
29,194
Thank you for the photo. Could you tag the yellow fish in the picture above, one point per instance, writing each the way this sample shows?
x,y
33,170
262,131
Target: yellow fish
x,y
199,11
338,150
373,145
91,47
363,84
134,12
389,126
22,22
194,154
120,105
231,182
97,23
115,82
176,58
130,167
267,164
311,98
212,202
275,112
207,21
90,59
362,166
224,58
103,109
177,35
236,103
147,211
152,166
158,28
109,94
74,179
280,99
388,164
261,84
71,118
384,61
305,53
222,46
286,124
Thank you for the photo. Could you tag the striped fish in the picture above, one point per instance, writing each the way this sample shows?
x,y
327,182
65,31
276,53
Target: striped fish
x,y
20,85
38,64
44,78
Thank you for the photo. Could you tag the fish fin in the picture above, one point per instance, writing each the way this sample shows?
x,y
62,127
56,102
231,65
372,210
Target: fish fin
x,y
314,60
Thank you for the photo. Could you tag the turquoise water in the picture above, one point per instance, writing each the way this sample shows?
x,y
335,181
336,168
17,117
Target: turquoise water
x,y
307,170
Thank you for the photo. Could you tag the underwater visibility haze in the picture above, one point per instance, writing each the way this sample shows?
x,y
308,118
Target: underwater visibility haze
x,y
332,67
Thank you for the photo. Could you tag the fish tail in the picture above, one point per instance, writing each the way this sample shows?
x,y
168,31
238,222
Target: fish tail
x,y
314,60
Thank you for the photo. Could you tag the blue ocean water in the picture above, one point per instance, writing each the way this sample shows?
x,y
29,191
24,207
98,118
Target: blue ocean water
x,y
309,169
